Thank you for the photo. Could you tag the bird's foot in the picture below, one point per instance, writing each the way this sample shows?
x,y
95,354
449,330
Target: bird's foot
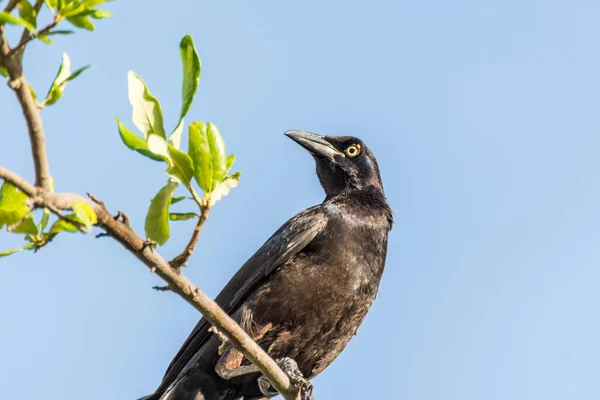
x,y
290,367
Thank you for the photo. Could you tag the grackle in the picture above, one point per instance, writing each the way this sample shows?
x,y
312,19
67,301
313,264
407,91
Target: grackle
x,y
304,293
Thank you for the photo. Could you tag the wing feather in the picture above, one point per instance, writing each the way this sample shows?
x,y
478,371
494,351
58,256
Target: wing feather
x,y
286,242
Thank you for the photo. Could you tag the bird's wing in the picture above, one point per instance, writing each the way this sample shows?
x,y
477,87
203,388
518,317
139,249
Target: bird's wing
x,y
290,239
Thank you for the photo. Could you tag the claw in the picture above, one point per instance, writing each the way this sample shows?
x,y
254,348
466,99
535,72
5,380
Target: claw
x,y
290,367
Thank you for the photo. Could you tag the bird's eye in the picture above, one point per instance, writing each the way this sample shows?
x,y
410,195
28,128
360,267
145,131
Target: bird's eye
x,y
353,151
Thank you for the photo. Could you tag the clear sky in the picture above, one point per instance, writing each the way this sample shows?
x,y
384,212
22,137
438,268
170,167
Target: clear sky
x,y
484,119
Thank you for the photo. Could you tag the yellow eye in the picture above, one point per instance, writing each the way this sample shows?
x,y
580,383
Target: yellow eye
x,y
352,151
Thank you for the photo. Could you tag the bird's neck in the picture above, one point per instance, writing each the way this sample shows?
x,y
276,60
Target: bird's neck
x,y
370,199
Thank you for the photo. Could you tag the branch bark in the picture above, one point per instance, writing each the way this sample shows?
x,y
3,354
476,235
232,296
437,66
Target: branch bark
x,y
182,259
13,63
172,276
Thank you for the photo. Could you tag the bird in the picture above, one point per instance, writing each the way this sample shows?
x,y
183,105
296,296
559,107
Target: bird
x,y
305,292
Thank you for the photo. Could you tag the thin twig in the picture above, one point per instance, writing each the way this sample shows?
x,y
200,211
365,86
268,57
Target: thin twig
x,y
26,36
11,5
35,126
182,259
162,288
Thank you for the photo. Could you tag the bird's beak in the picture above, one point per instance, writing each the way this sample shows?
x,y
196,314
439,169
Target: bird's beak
x,y
315,144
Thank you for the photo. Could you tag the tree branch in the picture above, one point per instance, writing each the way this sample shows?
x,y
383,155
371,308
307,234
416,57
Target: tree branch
x,y
35,127
172,276
11,5
182,259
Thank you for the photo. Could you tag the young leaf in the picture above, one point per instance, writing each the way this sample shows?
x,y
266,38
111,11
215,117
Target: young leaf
x,y
199,152
178,199
51,3
54,94
45,220
12,205
27,226
229,162
92,3
191,77
85,214
157,220
81,22
75,74
224,188
159,146
64,226
11,251
191,73
27,12
147,114
182,216
60,32
134,142
11,19
217,152
175,138
3,71
183,167
100,14
59,82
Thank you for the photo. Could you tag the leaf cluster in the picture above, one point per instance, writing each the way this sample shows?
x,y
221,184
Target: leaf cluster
x,y
206,162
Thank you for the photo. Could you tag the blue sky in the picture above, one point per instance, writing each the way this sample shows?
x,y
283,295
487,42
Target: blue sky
x,y
484,119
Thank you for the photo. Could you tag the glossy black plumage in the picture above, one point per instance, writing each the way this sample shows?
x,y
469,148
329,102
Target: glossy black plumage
x,y
304,293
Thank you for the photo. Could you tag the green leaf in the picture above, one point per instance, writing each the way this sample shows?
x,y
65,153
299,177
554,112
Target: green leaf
x,y
60,32
183,167
147,114
27,12
11,251
81,22
178,199
224,188
207,151
54,94
191,73
157,220
175,137
76,73
27,226
92,3
64,226
73,9
45,220
44,38
11,19
229,162
158,146
3,71
33,93
51,3
217,152
64,71
134,142
12,205
199,152
100,14
85,214
182,216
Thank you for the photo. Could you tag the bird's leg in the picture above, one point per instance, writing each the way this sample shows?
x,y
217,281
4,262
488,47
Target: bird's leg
x,y
230,365
290,367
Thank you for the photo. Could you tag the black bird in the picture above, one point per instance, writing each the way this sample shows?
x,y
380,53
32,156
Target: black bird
x,y
304,293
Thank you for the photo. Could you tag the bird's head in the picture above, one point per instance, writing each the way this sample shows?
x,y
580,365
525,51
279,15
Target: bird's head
x,y
344,163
